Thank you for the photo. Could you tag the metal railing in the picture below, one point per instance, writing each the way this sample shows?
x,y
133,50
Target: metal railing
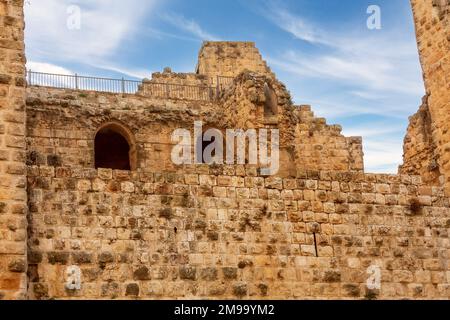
x,y
145,88
77,82
223,82
177,91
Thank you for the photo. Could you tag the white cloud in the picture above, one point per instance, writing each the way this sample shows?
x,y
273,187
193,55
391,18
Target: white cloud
x,y
47,68
46,78
367,95
158,34
382,156
378,73
299,27
370,72
369,61
329,108
189,26
105,24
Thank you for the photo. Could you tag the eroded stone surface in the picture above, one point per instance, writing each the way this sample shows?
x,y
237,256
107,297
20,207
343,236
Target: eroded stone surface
x,y
13,197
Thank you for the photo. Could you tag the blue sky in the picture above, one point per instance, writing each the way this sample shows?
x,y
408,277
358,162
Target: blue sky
x,y
368,81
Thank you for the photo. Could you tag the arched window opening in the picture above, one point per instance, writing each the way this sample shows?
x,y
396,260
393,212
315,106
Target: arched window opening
x,y
114,148
271,103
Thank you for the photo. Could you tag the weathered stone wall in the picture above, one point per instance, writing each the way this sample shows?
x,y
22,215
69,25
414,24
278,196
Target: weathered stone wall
x,y
197,231
319,146
225,232
431,18
50,112
306,142
13,196
220,231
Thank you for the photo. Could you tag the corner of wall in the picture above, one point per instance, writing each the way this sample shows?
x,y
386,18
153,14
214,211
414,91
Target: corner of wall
x,y
13,181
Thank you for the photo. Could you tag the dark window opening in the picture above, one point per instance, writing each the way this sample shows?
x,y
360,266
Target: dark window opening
x,y
112,150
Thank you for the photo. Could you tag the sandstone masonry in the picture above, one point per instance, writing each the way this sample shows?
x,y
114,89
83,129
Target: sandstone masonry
x,y
163,231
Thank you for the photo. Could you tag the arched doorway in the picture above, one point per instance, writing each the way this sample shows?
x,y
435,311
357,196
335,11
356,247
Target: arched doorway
x,y
115,148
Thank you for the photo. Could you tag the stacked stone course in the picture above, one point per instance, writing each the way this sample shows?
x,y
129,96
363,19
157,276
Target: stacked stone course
x,y
13,196
229,59
228,233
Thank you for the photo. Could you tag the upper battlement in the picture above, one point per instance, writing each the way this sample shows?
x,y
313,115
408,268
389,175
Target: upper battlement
x,y
218,64
222,58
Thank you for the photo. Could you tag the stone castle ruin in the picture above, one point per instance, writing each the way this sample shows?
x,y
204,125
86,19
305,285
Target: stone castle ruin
x,y
92,207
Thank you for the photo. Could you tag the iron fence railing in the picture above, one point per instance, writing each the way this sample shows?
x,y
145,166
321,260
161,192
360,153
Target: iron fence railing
x,y
146,88
77,82
177,91
223,82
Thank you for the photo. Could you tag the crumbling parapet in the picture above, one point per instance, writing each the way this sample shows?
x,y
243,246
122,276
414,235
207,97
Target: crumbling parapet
x,y
420,153
319,146
227,234
179,86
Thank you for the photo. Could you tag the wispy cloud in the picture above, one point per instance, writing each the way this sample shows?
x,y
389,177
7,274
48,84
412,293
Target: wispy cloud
x,y
377,74
374,130
369,71
367,95
105,25
370,62
189,26
159,34
131,72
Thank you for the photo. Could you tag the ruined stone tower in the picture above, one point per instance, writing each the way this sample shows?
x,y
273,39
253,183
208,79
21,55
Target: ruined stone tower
x,y
13,196
229,59
93,207
427,144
